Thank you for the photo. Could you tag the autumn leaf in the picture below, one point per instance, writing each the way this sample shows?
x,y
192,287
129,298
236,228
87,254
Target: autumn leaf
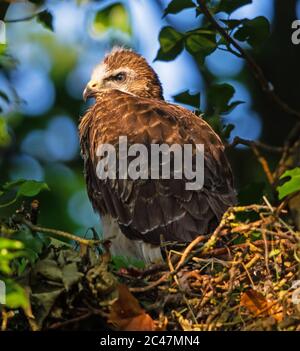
x,y
257,304
126,314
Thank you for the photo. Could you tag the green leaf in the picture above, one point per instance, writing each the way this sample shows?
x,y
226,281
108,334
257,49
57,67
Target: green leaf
x,y
15,295
31,188
274,252
2,48
219,95
119,262
27,188
10,244
188,99
114,16
200,44
5,138
254,32
13,184
176,6
292,185
46,19
171,44
230,6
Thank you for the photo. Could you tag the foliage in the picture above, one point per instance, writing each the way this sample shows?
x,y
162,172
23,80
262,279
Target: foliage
x,y
112,17
203,41
292,185
21,188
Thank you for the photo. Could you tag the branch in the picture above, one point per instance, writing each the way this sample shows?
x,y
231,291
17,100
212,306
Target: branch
x,y
267,86
28,18
62,234
252,143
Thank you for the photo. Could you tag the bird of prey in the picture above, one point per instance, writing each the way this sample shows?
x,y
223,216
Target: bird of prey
x,y
138,214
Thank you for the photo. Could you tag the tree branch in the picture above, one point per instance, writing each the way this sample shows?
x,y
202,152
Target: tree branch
x,y
252,143
15,20
62,234
266,85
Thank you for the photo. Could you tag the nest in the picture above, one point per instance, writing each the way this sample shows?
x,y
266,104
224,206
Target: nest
x,y
244,276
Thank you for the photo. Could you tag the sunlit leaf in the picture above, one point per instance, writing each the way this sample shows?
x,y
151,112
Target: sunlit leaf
x,y
10,244
200,44
290,186
254,301
5,138
31,188
257,304
15,295
27,188
114,16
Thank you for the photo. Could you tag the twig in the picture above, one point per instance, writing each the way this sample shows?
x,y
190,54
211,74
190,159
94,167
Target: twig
x,y
153,285
62,234
71,321
264,164
189,248
23,19
240,141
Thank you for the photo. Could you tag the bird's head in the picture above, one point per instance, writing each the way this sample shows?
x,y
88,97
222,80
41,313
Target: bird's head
x,y
127,71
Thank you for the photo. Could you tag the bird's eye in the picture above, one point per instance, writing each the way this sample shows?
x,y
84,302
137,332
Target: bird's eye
x,y
120,77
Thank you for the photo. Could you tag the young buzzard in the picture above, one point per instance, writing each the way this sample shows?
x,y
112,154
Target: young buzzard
x,y
138,214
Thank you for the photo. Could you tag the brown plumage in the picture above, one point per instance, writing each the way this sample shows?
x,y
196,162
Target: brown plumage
x,y
129,102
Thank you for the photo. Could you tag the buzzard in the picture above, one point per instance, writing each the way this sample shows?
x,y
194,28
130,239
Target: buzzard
x,y
138,214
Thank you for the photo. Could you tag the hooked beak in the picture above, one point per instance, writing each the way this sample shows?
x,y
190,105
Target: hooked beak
x,y
90,90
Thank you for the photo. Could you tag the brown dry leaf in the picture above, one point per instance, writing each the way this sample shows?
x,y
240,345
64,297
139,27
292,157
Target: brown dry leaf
x,y
257,304
126,313
254,301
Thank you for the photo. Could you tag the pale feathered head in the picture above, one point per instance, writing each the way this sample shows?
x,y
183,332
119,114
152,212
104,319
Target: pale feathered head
x,y
124,70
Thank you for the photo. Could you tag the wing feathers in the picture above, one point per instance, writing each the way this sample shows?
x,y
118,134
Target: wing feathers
x,y
147,209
